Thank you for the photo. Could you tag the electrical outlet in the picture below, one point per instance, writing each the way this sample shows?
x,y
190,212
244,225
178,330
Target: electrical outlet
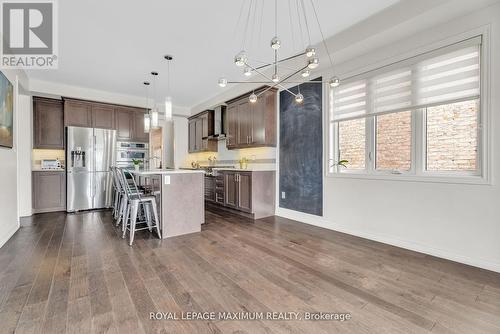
x,y
166,179
283,195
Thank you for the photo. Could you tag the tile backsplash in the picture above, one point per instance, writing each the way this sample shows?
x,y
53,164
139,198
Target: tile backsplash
x,y
38,155
258,155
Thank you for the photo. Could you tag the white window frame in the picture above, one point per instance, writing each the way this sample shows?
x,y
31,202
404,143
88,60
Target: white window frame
x,y
418,172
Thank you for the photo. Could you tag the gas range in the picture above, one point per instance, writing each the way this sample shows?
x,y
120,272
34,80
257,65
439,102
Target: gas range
x,y
209,170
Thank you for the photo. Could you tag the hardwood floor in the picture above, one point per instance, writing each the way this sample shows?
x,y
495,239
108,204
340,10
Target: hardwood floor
x,y
73,273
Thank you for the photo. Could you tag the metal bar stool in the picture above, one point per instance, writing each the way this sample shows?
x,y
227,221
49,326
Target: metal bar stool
x,y
118,195
123,184
140,209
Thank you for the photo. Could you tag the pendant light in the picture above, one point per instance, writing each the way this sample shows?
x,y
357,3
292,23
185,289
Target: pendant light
x,y
147,118
154,112
168,98
147,123
278,78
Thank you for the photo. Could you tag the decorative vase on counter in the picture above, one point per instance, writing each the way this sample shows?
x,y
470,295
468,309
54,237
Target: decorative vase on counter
x,y
243,163
136,167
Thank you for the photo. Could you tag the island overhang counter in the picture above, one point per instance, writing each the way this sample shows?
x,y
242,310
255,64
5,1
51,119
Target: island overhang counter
x,y
180,199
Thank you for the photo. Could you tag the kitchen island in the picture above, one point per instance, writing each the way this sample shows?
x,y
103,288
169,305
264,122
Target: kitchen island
x,y
180,199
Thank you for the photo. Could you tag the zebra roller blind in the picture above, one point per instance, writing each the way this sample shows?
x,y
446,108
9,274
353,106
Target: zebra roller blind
x,y
442,76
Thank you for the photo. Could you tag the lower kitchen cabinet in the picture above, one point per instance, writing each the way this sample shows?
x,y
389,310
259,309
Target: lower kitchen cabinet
x,y
239,190
248,192
48,191
230,189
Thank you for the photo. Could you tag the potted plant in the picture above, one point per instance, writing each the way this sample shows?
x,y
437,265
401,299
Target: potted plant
x,y
136,163
341,163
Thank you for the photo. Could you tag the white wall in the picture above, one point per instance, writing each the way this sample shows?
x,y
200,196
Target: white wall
x,y
24,145
180,141
9,222
454,221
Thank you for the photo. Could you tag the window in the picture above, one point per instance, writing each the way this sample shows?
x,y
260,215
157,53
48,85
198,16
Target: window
x,y
393,142
420,116
352,143
452,136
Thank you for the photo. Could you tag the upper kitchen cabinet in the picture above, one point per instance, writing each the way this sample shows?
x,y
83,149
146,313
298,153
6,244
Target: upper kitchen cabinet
x,y
201,128
252,124
48,123
124,124
138,128
88,114
103,116
77,113
129,124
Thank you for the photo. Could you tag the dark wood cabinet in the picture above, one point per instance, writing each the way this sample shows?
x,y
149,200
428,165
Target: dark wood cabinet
x,y
192,135
231,188
250,193
130,124
138,127
238,187
103,116
77,113
127,121
48,191
245,192
232,124
48,123
201,127
244,123
252,124
199,134
124,123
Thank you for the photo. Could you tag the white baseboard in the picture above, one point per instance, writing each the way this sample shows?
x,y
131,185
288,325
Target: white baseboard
x,y
386,239
4,237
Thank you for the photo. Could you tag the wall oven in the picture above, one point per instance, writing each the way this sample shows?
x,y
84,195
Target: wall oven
x,y
127,151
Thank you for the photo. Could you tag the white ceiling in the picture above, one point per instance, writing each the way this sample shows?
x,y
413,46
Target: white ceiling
x,y
112,45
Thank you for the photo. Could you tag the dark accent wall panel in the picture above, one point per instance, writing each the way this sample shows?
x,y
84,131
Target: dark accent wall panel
x,y
301,150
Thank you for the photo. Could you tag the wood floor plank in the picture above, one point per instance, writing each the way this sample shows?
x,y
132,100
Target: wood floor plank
x,y
73,273
318,271
57,306
13,307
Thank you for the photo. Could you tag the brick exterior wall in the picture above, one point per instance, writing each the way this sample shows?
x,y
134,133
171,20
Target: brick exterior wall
x,y
352,143
451,139
452,136
394,141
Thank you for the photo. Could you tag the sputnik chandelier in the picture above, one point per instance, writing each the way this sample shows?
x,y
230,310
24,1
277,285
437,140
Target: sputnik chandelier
x,y
278,79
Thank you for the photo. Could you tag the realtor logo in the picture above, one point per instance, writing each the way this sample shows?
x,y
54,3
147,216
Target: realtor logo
x,y
29,34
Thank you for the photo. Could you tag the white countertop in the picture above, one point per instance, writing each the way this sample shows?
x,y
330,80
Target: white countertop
x,y
165,171
40,169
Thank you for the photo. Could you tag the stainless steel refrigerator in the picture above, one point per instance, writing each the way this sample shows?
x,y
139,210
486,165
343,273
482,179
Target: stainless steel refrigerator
x,y
89,154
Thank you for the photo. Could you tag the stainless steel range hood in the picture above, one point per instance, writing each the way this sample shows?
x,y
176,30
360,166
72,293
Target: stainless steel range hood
x,y
220,122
